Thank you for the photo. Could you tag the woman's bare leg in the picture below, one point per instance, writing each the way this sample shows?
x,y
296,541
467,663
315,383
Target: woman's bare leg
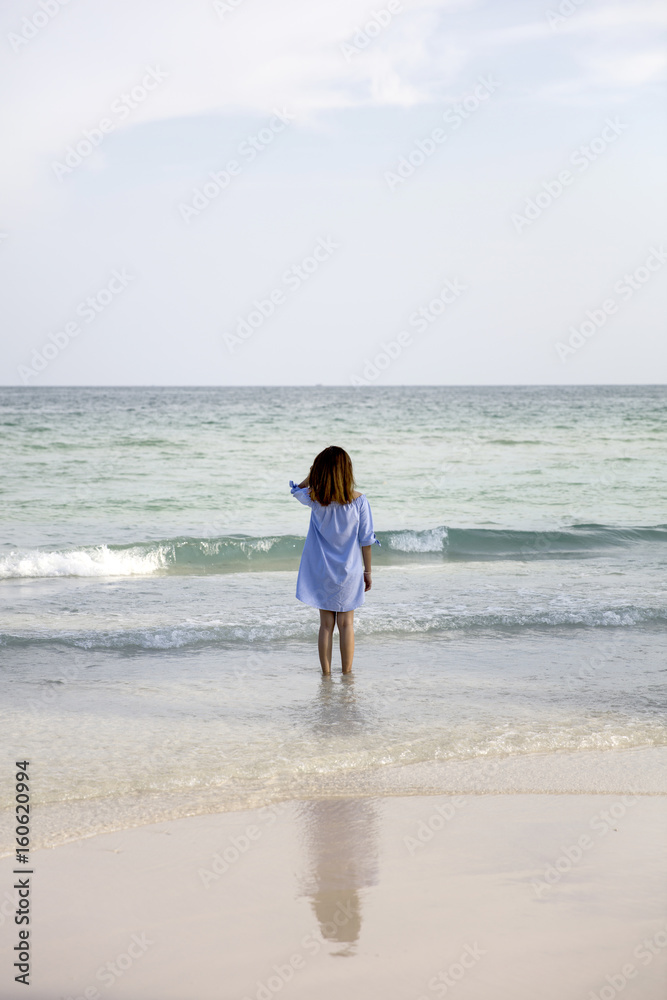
x,y
345,621
325,639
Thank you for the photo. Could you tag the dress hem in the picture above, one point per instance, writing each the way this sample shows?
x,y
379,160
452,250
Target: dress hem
x,y
334,610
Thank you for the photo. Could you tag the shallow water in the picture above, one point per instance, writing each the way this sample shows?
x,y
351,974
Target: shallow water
x,y
154,653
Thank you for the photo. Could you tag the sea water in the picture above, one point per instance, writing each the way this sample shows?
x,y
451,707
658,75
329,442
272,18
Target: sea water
x,y
154,661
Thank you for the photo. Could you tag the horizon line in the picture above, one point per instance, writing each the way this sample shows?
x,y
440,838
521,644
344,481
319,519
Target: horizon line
x,y
335,385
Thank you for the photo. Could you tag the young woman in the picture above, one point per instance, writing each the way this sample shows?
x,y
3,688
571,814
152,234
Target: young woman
x,y
340,534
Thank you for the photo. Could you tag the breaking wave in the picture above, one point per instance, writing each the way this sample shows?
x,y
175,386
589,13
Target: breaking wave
x,y
236,553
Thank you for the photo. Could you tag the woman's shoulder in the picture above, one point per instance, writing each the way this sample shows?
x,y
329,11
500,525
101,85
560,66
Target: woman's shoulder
x,y
356,494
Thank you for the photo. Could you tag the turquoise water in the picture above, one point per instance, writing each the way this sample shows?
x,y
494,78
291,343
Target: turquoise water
x,y
124,466
154,651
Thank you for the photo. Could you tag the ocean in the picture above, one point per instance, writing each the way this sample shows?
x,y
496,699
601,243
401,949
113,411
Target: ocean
x,y
155,663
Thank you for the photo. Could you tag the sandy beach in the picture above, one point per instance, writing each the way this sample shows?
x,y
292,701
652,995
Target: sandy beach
x,y
476,811
474,896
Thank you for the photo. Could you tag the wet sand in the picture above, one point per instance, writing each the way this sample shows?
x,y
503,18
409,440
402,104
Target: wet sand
x,y
505,896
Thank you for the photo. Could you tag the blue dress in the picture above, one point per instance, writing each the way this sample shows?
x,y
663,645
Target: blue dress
x,y
331,573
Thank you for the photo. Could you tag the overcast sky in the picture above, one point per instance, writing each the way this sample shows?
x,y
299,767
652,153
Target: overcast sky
x,y
407,193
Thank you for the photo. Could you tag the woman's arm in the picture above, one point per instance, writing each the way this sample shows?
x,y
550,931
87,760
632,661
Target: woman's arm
x,y
366,553
304,483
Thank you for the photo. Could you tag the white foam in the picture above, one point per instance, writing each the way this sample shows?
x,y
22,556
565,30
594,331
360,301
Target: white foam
x,y
97,561
419,541
633,771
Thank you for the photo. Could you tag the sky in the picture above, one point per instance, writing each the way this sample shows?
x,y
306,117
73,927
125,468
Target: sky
x,y
299,192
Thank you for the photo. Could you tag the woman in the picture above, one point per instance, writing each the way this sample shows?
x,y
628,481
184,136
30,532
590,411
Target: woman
x,y
340,534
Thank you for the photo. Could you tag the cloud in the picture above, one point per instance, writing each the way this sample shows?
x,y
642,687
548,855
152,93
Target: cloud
x,y
260,54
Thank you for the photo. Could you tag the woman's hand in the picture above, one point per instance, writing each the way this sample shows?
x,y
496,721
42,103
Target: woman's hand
x,y
367,580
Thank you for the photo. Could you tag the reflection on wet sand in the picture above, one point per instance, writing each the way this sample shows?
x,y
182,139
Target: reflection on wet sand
x,y
341,859
340,836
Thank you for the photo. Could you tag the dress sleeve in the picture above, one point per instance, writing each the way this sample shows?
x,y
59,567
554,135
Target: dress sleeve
x,y
302,495
366,533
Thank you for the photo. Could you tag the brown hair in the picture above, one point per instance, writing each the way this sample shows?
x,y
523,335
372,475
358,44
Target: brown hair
x,y
331,479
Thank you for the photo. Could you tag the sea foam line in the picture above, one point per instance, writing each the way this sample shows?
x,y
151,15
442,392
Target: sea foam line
x,y
232,553
189,634
97,561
